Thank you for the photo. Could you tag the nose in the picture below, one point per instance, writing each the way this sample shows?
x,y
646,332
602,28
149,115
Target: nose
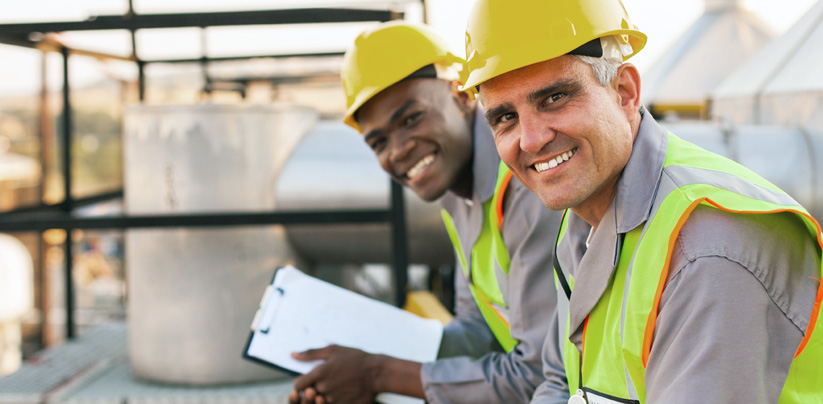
x,y
400,147
535,133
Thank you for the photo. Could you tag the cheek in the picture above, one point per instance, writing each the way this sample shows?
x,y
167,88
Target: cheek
x,y
620,146
507,148
383,160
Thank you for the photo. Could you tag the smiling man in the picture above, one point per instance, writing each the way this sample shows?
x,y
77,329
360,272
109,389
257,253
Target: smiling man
x,y
686,277
402,93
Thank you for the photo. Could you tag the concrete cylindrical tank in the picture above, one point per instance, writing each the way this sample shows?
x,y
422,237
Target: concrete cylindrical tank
x,y
333,168
16,299
193,292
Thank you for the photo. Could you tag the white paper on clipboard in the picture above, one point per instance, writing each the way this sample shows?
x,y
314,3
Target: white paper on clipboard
x,y
299,312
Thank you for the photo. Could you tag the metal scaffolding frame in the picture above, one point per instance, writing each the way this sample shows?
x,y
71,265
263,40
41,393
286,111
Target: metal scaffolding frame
x,y
60,215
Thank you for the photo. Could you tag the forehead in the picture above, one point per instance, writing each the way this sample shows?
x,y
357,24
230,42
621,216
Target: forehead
x,y
509,85
384,103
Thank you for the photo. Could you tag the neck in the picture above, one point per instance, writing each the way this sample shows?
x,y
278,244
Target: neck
x,y
594,208
464,182
463,186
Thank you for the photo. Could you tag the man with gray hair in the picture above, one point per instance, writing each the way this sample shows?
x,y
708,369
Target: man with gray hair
x,y
685,277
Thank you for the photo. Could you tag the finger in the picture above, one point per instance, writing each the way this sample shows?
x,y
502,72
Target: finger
x,y
312,354
294,397
303,382
309,396
307,400
321,400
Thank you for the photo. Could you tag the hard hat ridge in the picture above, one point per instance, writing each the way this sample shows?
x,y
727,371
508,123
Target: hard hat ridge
x,y
500,37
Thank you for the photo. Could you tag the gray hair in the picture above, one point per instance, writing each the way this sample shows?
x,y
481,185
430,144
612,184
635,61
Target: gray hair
x,y
605,68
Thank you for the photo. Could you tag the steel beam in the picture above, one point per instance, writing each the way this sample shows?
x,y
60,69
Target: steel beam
x,y
234,58
400,244
182,20
56,220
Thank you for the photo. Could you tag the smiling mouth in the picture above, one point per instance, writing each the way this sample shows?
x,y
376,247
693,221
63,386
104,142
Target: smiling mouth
x,y
548,165
421,165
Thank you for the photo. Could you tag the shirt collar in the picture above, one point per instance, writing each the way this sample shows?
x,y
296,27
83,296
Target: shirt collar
x,y
638,184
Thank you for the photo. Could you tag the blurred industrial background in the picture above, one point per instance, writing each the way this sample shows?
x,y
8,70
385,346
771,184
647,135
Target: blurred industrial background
x,y
158,159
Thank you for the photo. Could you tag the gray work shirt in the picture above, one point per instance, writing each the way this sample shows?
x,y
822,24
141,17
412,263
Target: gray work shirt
x,y
473,368
737,301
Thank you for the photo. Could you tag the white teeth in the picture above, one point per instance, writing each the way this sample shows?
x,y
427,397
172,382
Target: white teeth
x,y
540,167
420,166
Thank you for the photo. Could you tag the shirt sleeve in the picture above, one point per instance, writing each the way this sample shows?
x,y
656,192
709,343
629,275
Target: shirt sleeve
x,y
554,389
529,231
732,316
467,334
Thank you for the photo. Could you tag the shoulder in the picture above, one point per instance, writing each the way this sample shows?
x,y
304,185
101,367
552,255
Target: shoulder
x,y
749,239
775,250
520,202
452,203
525,216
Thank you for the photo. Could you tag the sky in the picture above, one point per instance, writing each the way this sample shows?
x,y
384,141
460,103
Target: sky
x,y
662,20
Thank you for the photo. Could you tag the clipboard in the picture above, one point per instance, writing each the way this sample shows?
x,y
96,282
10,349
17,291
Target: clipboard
x,y
299,312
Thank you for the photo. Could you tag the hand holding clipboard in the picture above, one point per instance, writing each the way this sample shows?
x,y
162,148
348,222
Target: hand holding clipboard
x,y
299,312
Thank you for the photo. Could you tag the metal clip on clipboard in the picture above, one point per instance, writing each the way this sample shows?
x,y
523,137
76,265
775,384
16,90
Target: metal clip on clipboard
x,y
264,302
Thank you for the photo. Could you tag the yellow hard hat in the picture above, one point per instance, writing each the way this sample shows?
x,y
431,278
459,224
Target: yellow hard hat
x,y
385,55
505,35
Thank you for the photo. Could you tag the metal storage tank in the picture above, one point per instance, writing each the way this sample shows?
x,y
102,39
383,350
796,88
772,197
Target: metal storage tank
x,y
333,168
782,84
709,51
796,170
192,293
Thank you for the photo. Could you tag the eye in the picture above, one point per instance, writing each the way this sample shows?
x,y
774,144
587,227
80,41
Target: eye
x,y
377,143
554,98
509,116
412,119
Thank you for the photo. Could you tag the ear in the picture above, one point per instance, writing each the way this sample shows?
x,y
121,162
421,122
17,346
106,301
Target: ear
x,y
628,89
464,101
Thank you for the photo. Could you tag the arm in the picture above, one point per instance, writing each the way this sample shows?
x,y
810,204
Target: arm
x,y
529,230
350,375
554,389
719,332
467,334
735,307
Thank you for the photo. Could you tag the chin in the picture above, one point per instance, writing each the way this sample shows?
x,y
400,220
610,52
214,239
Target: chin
x,y
429,195
550,200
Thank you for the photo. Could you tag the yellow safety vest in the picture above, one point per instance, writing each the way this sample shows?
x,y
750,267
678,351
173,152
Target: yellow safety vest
x,y
488,252
614,361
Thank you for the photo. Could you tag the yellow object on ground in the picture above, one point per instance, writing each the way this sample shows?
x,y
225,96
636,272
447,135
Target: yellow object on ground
x,y
424,304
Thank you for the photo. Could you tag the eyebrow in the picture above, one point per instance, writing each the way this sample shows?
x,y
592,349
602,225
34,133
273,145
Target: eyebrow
x,y
497,111
394,116
562,85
